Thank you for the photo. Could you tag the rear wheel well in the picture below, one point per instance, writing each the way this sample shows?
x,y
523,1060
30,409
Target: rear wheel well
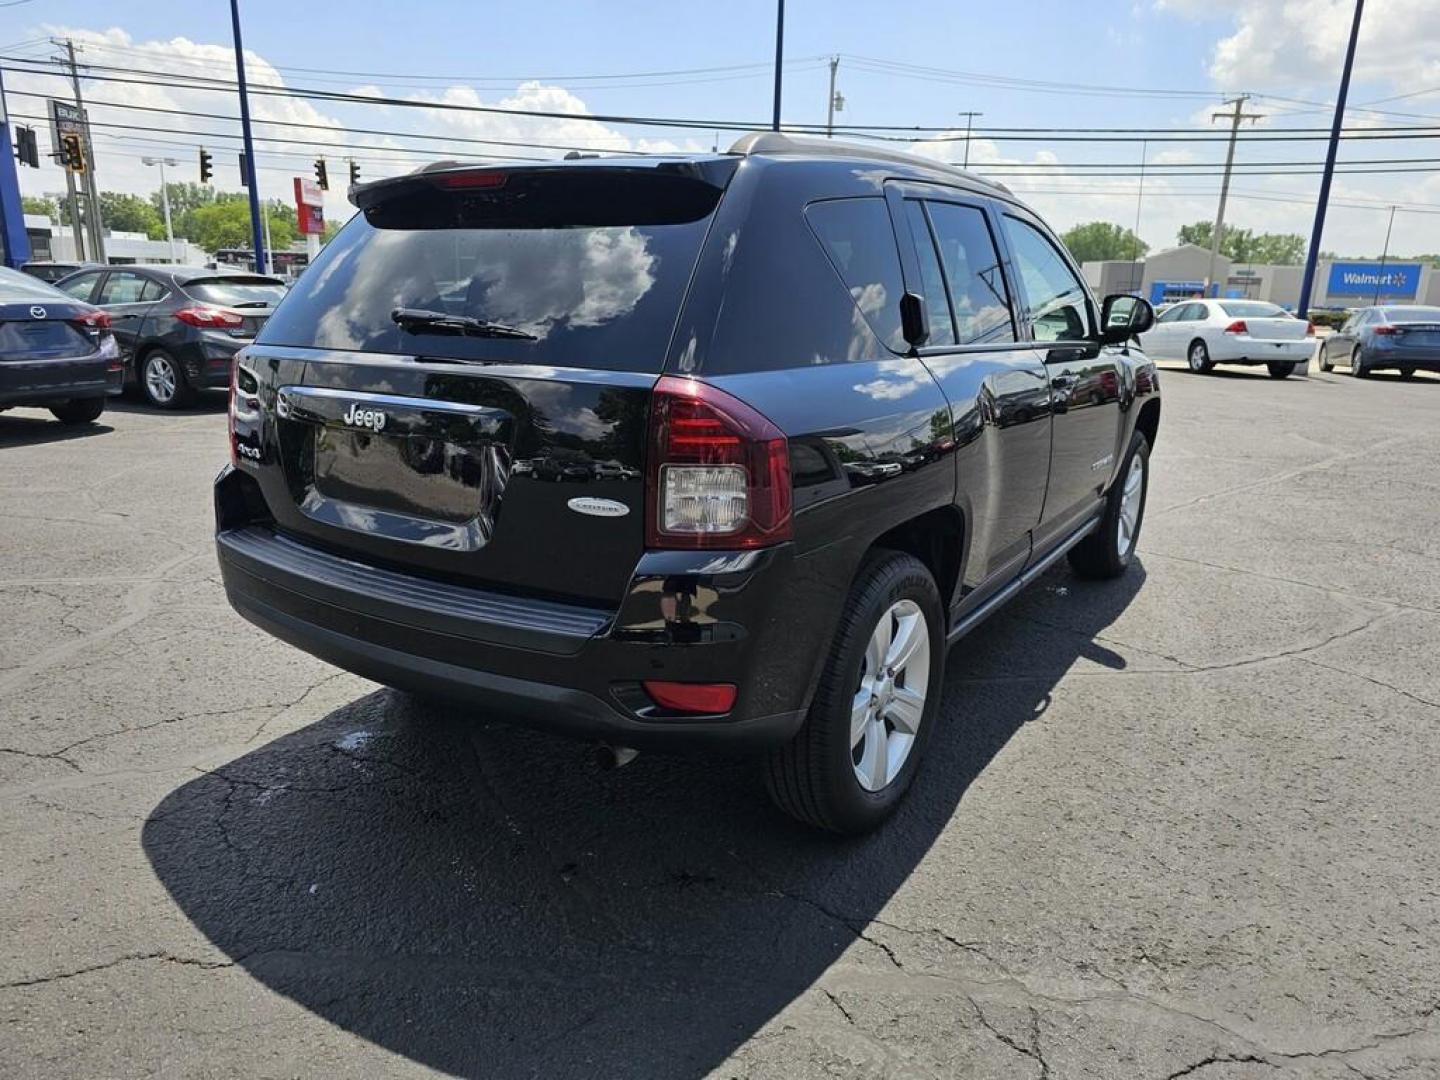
x,y
936,539
1149,420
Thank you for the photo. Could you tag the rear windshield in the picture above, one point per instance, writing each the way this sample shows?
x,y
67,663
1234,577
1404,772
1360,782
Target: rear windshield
x,y
593,276
1412,314
1253,309
236,293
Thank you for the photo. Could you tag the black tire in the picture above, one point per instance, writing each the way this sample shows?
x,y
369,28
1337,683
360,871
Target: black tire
x,y
79,410
1100,555
1198,357
1326,364
1280,371
1357,365
1407,372
813,777
182,395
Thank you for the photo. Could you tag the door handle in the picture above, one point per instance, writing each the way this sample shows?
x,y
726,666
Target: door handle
x,y
1065,354
1064,381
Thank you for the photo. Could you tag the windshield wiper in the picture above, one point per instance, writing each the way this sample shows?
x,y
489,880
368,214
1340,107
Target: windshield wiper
x,y
419,320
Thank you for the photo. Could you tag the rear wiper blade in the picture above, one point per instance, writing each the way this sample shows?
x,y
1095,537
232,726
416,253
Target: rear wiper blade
x,y
418,320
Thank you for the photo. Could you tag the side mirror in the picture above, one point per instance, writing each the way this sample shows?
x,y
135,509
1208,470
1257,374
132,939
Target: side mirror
x,y
1123,316
913,321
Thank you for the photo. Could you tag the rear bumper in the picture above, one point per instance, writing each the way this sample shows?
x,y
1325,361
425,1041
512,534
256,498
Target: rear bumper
x,y
568,668
1263,352
207,361
45,382
1394,359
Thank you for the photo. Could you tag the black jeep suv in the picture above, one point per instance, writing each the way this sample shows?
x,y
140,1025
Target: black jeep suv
x,y
817,410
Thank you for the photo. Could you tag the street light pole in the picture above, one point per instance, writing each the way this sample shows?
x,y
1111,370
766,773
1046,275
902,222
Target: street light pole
x,y
252,187
1307,282
1385,254
164,198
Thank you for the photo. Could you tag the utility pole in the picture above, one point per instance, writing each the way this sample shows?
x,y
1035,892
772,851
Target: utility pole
x,y
1235,117
164,197
779,58
969,117
835,101
91,191
1307,281
1384,254
251,176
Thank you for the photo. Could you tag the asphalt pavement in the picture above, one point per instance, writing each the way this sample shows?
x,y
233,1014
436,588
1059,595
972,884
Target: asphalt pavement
x,y
1180,824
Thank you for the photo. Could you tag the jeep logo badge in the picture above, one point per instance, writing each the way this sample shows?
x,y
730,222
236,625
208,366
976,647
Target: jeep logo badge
x,y
598,507
373,419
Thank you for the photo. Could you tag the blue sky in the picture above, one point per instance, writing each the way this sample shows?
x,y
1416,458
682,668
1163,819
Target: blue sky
x,y
1286,53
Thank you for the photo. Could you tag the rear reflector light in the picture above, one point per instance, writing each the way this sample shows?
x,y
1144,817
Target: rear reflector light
x,y
1237,327
210,318
1309,329
711,698
1388,331
471,179
718,471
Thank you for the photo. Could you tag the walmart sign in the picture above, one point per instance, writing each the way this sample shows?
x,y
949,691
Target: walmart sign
x,y
1371,279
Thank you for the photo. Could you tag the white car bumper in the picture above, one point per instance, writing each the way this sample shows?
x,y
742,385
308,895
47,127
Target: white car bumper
x,y
1239,349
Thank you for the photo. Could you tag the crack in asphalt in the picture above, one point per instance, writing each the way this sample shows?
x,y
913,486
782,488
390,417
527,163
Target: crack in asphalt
x,y
1370,679
1032,1051
128,958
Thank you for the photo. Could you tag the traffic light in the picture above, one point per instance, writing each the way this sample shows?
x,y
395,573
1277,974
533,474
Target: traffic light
x,y
206,170
354,173
322,177
72,154
26,152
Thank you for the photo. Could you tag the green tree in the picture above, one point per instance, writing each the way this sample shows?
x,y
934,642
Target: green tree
x,y
131,213
35,204
1096,240
1245,245
225,223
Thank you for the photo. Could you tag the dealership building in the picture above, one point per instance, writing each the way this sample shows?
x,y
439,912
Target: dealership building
x,y
1179,273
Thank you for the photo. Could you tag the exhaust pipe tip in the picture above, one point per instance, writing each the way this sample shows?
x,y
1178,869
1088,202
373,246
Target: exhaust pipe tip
x,y
609,757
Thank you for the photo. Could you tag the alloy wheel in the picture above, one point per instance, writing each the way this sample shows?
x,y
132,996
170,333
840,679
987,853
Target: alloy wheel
x,y
1131,496
889,702
160,378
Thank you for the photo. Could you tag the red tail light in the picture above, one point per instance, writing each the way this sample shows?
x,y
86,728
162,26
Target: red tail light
x,y
1388,331
210,318
230,412
95,320
1237,327
1309,329
718,474
711,698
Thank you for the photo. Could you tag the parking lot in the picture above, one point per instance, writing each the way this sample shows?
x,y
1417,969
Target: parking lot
x,y
1182,824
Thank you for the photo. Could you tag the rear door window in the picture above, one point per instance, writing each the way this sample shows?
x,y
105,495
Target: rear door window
x,y
857,236
587,266
972,268
932,281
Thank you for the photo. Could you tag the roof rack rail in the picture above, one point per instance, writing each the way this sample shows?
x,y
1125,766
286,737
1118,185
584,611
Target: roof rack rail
x,y
777,142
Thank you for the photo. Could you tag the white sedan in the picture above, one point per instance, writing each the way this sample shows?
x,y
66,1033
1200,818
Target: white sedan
x,y
1209,332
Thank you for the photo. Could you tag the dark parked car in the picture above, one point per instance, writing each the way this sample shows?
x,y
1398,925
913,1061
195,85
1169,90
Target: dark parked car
x,y
51,272
178,326
760,339
1391,336
55,352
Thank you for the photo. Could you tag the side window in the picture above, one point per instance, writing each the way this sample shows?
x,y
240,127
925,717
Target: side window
x,y
152,291
1055,299
972,268
932,282
1171,314
1189,313
860,243
121,288
81,287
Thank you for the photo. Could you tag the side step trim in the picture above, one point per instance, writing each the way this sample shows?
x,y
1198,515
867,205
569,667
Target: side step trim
x,y
990,606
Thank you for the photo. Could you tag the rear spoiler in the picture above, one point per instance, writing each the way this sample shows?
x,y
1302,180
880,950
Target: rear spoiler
x,y
451,175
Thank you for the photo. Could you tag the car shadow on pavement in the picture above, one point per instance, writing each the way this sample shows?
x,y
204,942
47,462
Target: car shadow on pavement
x,y
485,901
35,430
206,402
